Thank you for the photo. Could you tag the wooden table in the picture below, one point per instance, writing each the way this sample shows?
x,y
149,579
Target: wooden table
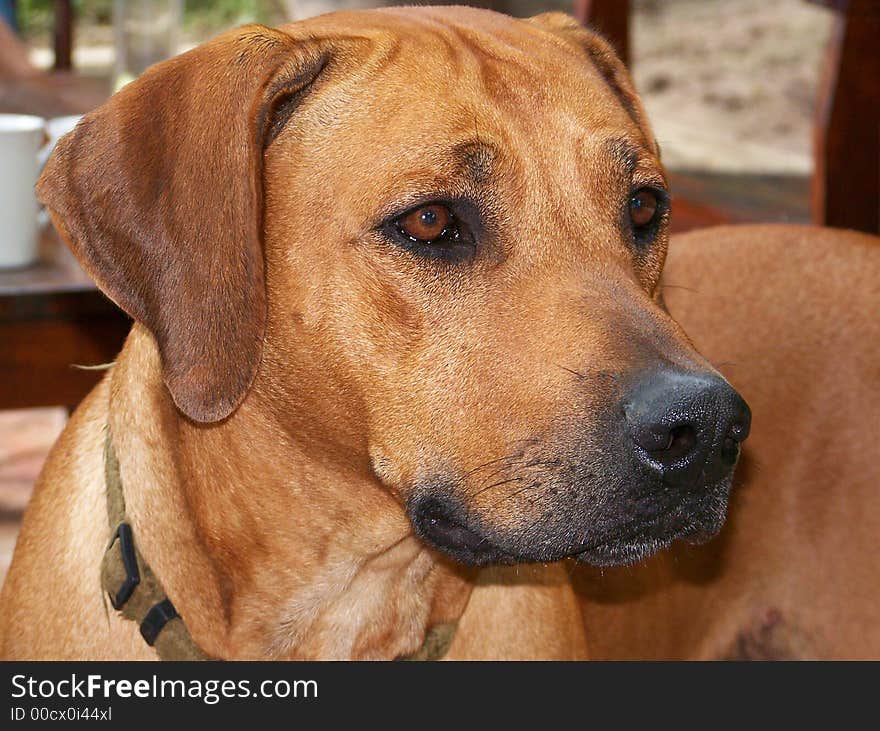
x,y
846,143
52,317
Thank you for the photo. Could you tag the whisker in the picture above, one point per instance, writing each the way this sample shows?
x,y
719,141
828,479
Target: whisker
x,y
496,484
494,473
529,440
518,492
483,466
573,372
543,463
680,286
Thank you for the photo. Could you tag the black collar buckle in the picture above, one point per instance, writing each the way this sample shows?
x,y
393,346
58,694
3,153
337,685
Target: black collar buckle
x,y
129,562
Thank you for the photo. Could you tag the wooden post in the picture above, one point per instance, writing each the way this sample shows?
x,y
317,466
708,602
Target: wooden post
x,y
610,18
846,177
63,35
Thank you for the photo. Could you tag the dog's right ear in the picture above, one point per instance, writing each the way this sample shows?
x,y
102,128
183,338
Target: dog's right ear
x,y
159,194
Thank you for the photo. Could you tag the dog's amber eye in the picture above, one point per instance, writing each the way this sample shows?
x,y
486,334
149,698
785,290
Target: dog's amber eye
x,y
643,207
437,230
426,223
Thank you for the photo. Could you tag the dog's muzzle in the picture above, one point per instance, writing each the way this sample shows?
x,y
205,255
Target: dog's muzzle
x,y
657,467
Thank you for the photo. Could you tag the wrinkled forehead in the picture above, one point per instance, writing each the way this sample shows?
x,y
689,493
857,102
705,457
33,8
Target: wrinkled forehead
x,y
437,100
445,70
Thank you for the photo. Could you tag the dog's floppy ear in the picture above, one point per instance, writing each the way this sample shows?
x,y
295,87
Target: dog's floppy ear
x,y
159,194
603,57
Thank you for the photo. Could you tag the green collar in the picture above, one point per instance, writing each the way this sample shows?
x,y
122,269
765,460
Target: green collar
x,y
137,594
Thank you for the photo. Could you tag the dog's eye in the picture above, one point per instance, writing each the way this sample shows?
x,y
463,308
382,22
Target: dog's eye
x,y
643,207
647,209
432,230
427,224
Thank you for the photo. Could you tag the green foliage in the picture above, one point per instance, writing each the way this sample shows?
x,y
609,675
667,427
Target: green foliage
x,y
206,17
201,17
35,17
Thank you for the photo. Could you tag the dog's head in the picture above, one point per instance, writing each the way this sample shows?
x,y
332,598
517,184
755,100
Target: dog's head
x,y
440,232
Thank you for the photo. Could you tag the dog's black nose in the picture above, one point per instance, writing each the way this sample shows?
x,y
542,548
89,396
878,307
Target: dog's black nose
x,y
686,427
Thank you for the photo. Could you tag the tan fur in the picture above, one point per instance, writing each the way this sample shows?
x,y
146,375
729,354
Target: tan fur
x,y
294,379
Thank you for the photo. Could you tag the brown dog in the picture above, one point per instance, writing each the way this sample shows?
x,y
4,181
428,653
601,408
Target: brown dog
x,y
395,276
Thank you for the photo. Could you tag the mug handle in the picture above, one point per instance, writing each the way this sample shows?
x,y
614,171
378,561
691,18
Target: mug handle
x,y
45,149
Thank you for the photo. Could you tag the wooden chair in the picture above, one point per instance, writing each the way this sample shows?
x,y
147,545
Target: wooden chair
x,y
63,40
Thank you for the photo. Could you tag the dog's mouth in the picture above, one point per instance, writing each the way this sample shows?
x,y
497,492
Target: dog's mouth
x,y
616,545
436,524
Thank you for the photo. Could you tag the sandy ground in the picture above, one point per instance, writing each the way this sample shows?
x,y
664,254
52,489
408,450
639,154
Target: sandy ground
x,y
729,84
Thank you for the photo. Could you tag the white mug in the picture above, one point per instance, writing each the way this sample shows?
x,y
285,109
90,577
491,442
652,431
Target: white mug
x,y
21,138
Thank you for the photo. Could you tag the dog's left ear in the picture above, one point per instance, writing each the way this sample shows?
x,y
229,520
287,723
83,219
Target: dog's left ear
x,y
159,194
603,57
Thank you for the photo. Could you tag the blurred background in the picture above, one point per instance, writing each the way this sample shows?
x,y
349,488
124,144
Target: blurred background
x,y
730,85
764,109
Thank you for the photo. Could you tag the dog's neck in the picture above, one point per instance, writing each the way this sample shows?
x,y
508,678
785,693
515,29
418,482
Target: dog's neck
x,y
267,550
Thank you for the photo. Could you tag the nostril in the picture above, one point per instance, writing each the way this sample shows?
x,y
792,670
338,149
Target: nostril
x,y
680,441
688,427
738,432
729,450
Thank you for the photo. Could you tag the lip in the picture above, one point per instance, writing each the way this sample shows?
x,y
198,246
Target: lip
x,y
454,537
695,517
639,542
623,553
635,542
